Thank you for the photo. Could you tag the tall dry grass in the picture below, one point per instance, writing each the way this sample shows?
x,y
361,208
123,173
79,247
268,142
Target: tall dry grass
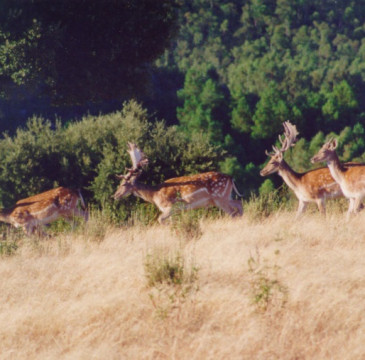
x,y
262,289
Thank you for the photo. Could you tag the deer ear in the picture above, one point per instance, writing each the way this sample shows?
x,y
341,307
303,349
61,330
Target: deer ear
x,y
334,144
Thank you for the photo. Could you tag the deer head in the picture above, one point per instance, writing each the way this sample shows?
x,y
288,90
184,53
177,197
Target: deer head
x,y
128,181
290,137
326,152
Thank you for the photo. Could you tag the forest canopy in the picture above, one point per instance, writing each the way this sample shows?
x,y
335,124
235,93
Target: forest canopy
x,y
250,65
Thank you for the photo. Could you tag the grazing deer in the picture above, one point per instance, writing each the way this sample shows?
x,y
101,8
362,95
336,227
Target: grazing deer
x,y
351,179
190,192
41,209
312,186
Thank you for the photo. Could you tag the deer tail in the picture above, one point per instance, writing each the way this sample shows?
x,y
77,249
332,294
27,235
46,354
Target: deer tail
x,y
82,202
235,189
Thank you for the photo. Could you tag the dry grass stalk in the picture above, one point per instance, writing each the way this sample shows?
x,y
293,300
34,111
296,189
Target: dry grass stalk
x,y
72,298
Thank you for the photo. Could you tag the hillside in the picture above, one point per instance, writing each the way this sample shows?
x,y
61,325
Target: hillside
x,y
271,289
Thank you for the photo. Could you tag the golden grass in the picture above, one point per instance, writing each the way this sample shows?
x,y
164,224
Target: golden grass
x,y
70,297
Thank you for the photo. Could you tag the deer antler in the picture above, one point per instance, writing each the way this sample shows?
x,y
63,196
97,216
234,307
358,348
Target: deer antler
x,y
138,158
290,137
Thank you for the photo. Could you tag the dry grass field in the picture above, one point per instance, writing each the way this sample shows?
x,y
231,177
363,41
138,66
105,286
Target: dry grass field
x,y
245,289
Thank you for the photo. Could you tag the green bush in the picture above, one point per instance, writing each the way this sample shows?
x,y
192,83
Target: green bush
x,y
86,155
268,202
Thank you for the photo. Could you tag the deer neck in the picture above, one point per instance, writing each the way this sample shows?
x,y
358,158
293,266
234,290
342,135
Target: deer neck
x,y
336,169
290,177
145,192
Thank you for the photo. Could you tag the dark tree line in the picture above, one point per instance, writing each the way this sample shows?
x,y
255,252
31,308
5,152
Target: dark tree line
x,y
78,52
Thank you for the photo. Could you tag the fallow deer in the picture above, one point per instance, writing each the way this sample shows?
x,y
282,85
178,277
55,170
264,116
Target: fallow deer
x,y
43,208
312,186
188,192
351,179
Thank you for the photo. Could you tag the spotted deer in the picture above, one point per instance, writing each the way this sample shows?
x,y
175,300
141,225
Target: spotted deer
x,y
312,186
188,192
351,179
41,209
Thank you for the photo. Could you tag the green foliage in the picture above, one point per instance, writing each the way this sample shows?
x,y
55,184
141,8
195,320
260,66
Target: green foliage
x,y
261,206
266,188
72,51
171,279
266,290
186,225
204,104
161,269
247,67
340,104
87,154
271,112
96,228
351,147
8,248
273,61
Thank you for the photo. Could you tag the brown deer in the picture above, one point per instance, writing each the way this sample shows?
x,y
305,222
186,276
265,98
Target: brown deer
x,y
351,179
312,186
188,192
41,209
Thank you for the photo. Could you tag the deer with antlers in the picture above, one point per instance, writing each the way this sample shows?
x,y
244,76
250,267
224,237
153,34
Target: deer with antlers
x,y
41,209
350,179
312,186
188,192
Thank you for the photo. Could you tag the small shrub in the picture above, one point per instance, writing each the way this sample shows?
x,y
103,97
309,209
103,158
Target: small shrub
x,y
8,248
144,214
266,187
265,204
170,281
162,269
266,289
96,227
61,225
10,237
186,225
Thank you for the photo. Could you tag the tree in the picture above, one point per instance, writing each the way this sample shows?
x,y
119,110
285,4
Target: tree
x,y
85,50
271,112
204,107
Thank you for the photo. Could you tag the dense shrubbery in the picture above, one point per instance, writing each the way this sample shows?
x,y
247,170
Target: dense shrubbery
x,y
87,154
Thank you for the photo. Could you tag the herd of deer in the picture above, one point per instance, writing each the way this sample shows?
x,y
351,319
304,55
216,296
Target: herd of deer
x,y
203,190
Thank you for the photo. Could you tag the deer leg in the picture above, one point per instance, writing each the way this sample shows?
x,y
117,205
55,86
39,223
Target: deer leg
x,y
28,229
31,229
350,209
357,205
81,213
237,204
42,233
166,213
301,208
225,207
321,206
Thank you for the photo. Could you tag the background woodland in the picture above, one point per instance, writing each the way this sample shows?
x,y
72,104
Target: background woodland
x,y
201,85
